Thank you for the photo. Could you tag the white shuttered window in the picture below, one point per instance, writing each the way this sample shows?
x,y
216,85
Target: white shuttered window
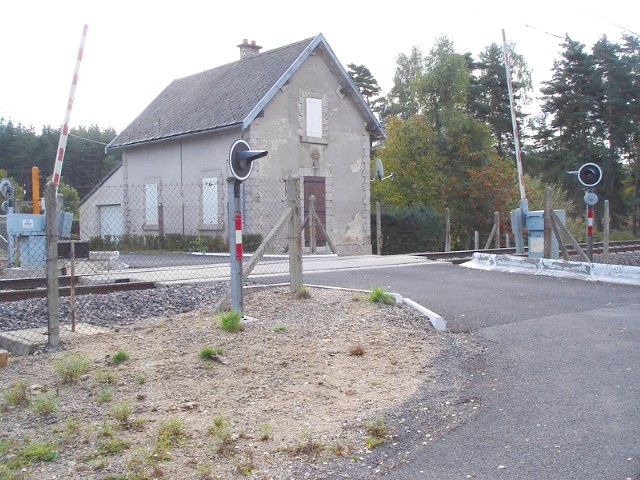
x,y
151,204
314,117
210,200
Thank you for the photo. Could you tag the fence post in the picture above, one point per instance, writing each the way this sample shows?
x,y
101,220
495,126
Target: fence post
x,y
161,221
312,224
295,233
496,220
53,295
605,243
378,228
447,231
547,223
476,240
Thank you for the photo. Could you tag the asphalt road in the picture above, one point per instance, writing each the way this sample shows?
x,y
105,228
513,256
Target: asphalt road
x,y
559,386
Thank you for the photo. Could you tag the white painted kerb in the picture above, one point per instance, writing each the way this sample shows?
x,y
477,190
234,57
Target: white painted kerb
x,y
595,272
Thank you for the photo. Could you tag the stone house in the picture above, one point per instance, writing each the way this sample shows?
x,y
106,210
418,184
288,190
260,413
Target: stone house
x,y
297,102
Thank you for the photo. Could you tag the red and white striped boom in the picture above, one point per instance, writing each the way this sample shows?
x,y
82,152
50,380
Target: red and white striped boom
x,y
64,133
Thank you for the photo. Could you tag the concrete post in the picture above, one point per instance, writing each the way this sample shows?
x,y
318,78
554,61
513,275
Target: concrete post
x,y
53,295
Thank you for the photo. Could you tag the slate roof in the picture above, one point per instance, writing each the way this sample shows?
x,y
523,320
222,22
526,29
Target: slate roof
x,y
229,95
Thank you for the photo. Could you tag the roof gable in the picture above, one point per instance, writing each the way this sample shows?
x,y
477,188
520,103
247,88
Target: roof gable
x,y
226,96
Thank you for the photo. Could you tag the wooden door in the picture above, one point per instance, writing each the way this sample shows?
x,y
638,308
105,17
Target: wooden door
x,y
315,186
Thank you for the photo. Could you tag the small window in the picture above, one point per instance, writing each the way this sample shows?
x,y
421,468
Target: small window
x,y
151,204
210,200
314,117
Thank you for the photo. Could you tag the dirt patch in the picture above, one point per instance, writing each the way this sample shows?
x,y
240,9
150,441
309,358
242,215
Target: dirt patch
x,y
308,386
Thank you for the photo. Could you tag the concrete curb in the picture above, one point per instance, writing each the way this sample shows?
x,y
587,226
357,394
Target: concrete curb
x,y
436,320
594,272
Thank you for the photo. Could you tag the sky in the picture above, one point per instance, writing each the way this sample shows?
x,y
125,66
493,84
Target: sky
x,y
135,48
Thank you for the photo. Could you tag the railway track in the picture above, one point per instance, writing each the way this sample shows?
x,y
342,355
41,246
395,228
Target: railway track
x,y
460,256
36,287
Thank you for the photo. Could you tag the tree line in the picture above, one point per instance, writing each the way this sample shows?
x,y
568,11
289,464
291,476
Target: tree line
x,y
450,139
85,161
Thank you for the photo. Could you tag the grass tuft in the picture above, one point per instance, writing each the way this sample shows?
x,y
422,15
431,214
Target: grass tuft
x,y
209,353
303,293
120,356
379,295
230,321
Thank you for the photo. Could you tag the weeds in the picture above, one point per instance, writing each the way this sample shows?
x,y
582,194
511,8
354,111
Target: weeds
x,y
172,430
221,431
121,412
302,293
379,295
107,376
71,427
70,367
306,445
113,446
280,329
140,378
266,432
17,395
230,321
44,404
31,453
376,431
104,395
246,464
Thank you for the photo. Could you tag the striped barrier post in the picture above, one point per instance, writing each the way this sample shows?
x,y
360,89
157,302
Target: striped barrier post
x,y
62,144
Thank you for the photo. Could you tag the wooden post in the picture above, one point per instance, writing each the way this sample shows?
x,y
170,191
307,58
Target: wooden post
x,y
507,240
53,295
378,228
312,224
72,286
447,231
295,233
546,252
161,221
605,225
476,240
496,221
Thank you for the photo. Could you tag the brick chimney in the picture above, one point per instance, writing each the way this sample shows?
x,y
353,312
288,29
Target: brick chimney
x,y
248,49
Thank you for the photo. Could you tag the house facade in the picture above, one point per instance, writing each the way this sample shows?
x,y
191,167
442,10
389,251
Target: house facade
x,y
297,102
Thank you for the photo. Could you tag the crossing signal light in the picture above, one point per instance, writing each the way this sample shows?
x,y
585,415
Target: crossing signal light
x,y
589,175
241,159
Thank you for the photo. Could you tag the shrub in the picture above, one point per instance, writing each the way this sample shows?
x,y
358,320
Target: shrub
x,y
410,229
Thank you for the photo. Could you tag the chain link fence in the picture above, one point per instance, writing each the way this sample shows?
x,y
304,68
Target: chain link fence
x,y
132,240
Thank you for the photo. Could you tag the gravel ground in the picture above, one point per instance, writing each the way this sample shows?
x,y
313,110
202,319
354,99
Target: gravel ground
x,y
343,388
